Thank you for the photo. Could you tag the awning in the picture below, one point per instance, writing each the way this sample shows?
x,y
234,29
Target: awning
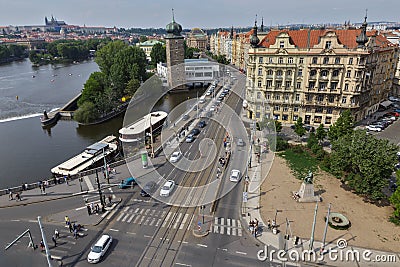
x,y
386,103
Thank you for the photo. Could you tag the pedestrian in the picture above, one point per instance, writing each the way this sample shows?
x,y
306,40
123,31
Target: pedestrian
x,y
255,227
23,187
40,186
17,197
65,179
76,233
41,245
44,189
92,207
269,224
104,197
273,223
89,210
54,240
10,195
67,220
55,180
109,199
56,233
70,228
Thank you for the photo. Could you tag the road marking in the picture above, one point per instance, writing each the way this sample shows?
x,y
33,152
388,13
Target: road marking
x,y
126,209
136,219
183,221
177,220
152,213
158,222
88,183
152,222
147,212
111,214
191,221
184,242
166,219
239,228
120,216
201,245
233,227
240,252
147,221
141,211
228,229
130,219
148,236
126,217
222,226
114,230
15,220
141,221
34,221
183,264
130,233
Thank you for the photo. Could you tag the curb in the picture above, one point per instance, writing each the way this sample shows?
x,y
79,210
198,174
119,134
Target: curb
x,y
200,235
107,212
44,200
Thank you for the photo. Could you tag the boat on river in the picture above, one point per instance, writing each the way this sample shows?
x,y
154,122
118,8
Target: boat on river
x,y
92,155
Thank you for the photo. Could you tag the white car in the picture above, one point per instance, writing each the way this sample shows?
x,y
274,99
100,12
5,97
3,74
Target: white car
x,y
374,128
175,156
167,188
235,176
212,108
99,249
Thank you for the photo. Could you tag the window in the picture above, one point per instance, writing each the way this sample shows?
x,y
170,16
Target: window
x,y
276,108
298,85
285,108
350,61
328,44
329,110
337,60
324,73
296,109
314,60
285,117
328,120
331,99
300,72
260,60
319,110
280,60
348,74
334,85
286,96
344,100
268,96
257,115
288,84
279,73
353,100
258,95
357,88
346,87
277,97
258,107
335,73
301,60
259,71
270,72
259,83
320,98
309,97
326,60
313,72
269,83
295,117
308,109
271,60
278,84
311,85
289,73
290,60
297,97
281,44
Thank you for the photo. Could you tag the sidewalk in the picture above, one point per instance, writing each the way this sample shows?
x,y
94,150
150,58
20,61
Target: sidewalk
x,y
296,246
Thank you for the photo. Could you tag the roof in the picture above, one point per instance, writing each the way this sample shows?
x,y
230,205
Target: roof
x,y
305,38
143,123
150,43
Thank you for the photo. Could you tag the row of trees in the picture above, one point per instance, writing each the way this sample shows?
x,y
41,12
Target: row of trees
x,y
122,69
362,161
11,51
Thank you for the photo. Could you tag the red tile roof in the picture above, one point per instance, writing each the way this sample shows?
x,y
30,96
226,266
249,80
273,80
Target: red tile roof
x,y
308,38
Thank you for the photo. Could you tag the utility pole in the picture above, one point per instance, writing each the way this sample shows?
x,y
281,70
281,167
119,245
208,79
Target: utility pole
x,y
313,226
105,167
151,137
100,193
326,228
48,256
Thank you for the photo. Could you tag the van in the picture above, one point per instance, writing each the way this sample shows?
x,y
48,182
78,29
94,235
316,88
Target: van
x,y
202,99
99,249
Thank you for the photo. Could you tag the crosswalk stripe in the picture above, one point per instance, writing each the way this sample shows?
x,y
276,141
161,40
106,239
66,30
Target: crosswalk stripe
x,y
111,214
147,212
141,220
152,212
130,219
141,211
177,220
183,221
137,218
166,219
228,228
233,227
158,222
191,220
222,226
127,208
152,221
239,228
147,221
120,216
163,214
126,217
136,210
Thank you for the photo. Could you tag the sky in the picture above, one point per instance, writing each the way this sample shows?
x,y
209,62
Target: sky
x,y
195,13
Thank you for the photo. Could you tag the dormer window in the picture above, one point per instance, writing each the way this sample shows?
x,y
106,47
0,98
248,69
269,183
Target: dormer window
x,y
281,44
328,44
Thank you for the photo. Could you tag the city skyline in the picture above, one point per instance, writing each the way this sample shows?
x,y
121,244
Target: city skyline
x,y
211,14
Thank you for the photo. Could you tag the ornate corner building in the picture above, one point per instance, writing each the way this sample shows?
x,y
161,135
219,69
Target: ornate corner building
x,y
318,73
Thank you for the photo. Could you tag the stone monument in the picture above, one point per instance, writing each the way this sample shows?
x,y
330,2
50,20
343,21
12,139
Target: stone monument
x,y
306,192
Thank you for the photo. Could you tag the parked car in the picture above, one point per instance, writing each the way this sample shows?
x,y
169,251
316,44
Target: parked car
x,y
212,108
167,188
201,124
148,189
175,156
195,131
392,98
99,249
185,117
235,176
128,182
240,142
393,113
189,138
309,128
373,128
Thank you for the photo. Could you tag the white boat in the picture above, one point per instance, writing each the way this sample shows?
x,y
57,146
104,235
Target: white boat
x,y
90,156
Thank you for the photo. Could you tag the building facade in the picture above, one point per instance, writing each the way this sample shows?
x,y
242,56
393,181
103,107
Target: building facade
x,y
147,46
317,74
197,39
175,51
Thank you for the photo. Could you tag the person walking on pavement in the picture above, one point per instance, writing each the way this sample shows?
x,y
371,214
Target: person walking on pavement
x,y
109,199
10,196
44,188
67,220
76,233
54,240
56,233
17,197
41,245
89,210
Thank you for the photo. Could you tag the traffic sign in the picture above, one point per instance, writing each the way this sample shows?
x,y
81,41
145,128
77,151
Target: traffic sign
x,y
244,196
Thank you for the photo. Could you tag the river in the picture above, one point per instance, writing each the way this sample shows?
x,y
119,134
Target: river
x,y
28,151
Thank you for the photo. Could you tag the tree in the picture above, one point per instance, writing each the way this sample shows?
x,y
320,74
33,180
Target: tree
x,y
278,126
105,56
320,133
395,201
343,126
86,113
93,87
299,127
143,38
158,54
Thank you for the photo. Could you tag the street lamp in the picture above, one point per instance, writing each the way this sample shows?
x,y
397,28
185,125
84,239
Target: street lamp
x,y
202,208
100,193
276,213
105,167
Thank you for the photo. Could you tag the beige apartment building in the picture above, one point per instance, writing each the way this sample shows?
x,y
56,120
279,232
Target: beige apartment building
x,y
197,38
316,74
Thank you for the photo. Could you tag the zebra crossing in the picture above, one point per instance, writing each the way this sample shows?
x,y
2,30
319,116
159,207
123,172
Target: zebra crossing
x,y
176,220
227,226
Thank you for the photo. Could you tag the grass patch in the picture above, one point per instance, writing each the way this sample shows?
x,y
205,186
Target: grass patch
x,y
300,161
